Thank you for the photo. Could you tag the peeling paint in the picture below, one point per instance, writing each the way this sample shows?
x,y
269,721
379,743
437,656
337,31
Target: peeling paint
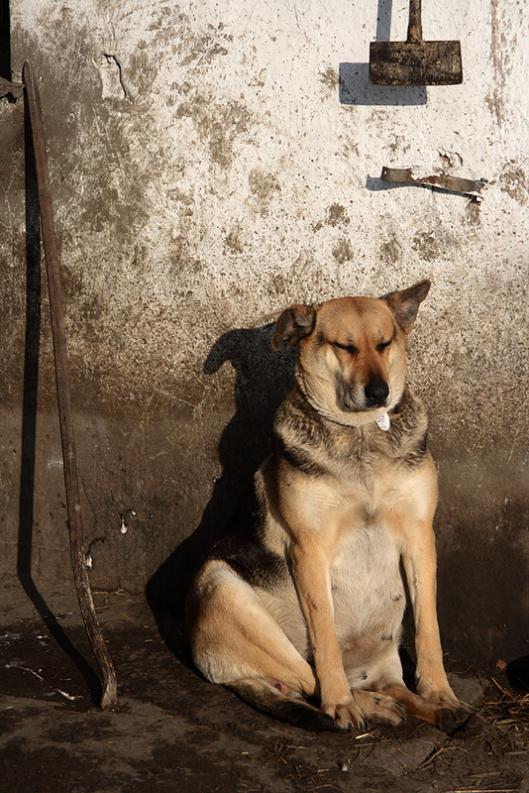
x,y
336,215
513,181
342,251
218,124
473,213
329,79
391,250
263,187
449,161
399,144
500,57
203,48
427,245
232,241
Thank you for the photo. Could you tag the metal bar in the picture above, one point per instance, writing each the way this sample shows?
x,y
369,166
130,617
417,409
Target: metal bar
x,y
71,479
451,184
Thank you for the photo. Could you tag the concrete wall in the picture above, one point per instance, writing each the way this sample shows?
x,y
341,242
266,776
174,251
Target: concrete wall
x,y
210,164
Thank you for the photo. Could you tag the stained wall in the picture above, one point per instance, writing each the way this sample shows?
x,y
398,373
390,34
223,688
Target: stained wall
x,y
212,163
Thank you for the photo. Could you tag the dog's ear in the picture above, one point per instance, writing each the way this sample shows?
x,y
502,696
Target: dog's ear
x,y
405,304
293,324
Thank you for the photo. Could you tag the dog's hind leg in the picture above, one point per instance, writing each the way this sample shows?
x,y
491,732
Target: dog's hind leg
x,y
235,641
446,719
233,636
270,698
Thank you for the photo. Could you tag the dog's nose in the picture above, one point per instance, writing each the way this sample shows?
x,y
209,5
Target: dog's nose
x,y
376,392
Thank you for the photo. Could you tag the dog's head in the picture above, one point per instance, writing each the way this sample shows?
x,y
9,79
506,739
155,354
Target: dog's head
x,y
351,362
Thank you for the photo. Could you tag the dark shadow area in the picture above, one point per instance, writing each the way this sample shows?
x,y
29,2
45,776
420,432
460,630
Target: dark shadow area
x,y
374,184
354,85
408,668
262,380
383,20
355,89
29,418
518,673
487,580
5,41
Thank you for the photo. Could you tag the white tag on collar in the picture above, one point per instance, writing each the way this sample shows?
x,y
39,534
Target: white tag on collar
x,y
383,422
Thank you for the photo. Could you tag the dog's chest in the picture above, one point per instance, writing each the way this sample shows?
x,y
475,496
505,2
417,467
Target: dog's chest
x,y
366,583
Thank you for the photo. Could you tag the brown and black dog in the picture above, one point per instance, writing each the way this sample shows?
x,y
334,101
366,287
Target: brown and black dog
x,y
309,606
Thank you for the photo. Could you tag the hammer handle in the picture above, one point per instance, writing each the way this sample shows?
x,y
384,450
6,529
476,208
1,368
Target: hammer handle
x,y
414,22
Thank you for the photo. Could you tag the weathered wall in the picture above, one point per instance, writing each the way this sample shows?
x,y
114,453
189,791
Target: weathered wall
x,y
208,169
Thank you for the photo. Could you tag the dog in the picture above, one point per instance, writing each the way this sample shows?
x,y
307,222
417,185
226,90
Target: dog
x,y
301,614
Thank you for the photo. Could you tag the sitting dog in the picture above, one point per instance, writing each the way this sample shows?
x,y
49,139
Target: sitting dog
x,y
305,608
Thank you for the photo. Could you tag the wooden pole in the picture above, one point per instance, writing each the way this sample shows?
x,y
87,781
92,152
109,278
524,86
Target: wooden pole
x,y
71,478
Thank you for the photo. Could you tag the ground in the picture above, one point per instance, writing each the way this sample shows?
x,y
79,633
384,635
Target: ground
x,y
173,731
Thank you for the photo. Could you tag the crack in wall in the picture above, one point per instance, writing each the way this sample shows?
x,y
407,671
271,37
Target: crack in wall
x,y
113,59
112,79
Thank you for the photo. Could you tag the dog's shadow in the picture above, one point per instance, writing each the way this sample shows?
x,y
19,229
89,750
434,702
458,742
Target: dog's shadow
x,y
263,377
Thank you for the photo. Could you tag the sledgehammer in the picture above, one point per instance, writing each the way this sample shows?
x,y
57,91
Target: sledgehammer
x,y
414,61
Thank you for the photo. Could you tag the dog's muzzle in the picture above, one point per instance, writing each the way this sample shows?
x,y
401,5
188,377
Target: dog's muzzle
x,y
355,397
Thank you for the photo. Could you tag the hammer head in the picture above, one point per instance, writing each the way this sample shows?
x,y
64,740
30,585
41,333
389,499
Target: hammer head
x,y
415,63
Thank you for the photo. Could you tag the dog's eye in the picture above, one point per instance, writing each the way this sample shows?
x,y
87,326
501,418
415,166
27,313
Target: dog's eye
x,y
383,344
350,348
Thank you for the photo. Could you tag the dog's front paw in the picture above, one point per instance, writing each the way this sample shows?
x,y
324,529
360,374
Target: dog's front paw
x,y
450,715
438,695
347,715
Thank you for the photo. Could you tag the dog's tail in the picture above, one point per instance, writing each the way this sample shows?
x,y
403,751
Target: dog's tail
x,y
266,698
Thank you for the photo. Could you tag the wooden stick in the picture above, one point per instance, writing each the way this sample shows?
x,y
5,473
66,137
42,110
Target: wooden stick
x,y
71,479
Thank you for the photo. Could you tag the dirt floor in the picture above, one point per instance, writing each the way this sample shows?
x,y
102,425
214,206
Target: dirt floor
x,y
172,731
